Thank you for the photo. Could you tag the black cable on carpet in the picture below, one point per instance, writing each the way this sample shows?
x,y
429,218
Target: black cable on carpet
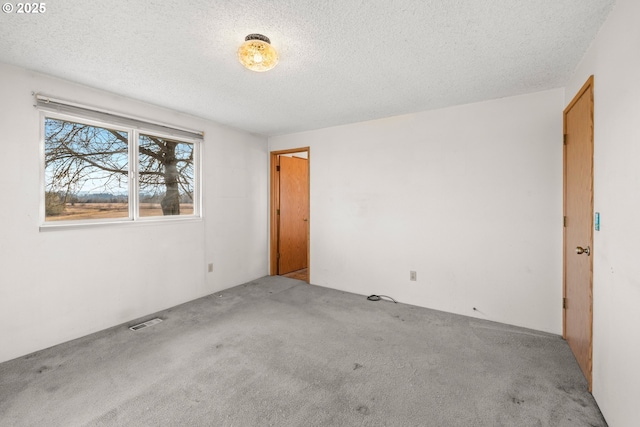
x,y
379,297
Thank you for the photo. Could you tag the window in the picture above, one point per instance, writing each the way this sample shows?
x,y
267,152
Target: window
x,y
165,170
102,171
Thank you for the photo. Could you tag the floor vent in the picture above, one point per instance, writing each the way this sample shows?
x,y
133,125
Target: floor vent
x,y
145,324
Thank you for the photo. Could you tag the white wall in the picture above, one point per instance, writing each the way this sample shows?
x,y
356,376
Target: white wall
x,y
60,285
470,197
614,61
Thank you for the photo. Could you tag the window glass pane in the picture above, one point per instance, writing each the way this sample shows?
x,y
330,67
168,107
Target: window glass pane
x,y
165,170
86,171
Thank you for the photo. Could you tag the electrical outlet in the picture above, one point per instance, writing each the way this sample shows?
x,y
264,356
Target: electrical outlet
x,y
413,276
210,267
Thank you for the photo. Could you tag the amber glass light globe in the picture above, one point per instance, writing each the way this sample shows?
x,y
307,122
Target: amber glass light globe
x,y
257,54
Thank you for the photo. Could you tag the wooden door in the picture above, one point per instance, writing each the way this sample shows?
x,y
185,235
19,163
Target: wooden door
x,y
578,234
294,214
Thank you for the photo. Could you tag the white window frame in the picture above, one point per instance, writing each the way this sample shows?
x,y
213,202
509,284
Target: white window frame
x,y
134,131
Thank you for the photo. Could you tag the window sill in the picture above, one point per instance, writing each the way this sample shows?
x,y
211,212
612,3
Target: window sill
x,y
76,225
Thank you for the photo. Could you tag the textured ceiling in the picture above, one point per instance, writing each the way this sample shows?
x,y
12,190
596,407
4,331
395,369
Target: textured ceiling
x,y
340,61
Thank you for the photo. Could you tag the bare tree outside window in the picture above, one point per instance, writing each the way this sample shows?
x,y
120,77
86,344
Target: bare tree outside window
x,y
166,176
87,173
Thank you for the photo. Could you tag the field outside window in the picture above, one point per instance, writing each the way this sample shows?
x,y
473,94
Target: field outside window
x,y
97,173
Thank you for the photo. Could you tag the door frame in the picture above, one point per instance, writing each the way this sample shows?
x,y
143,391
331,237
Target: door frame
x,y
588,86
273,209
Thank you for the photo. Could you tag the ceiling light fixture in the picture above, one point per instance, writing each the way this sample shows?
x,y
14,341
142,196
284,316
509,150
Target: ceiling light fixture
x,y
257,54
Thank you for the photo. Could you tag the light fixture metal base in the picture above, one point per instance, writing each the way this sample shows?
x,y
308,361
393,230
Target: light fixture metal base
x,y
257,37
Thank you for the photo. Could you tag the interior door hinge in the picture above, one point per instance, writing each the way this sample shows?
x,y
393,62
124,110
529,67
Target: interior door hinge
x,y
277,168
278,256
564,221
564,303
278,211
564,139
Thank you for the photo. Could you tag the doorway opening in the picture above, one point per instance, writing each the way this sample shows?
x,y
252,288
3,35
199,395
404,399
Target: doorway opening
x,y
289,214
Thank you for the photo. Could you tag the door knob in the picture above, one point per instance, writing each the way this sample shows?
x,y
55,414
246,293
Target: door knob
x,y
580,250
